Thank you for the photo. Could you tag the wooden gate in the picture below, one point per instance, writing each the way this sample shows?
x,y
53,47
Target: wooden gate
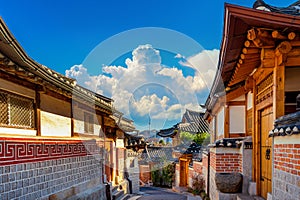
x,y
266,124
183,164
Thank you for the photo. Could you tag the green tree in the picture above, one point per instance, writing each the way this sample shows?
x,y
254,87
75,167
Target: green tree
x,y
186,137
161,142
201,138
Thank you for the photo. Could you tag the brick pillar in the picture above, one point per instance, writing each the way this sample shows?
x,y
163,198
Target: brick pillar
x,y
286,167
222,160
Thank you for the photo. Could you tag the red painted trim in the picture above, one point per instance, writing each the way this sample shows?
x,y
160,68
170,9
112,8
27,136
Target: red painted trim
x,y
23,150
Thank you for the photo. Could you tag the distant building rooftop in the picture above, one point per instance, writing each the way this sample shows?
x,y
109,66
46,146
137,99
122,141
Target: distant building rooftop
x,y
192,122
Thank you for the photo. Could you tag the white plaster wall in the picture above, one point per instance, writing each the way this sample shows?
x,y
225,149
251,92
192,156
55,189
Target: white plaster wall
x,y
55,125
237,119
78,126
17,89
249,100
220,122
292,139
97,129
17,131
292,79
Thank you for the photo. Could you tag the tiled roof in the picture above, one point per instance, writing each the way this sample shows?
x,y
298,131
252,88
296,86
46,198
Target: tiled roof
x,y
229,142
169,132
193,122
193,148
123,123
286,125
17,62
293,9
156,154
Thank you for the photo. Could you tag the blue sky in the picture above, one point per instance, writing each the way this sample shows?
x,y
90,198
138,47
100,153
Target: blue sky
x,y
94,42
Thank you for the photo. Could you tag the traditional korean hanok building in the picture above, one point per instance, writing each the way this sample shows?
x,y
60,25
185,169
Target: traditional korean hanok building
x,y
257,81
121,161
191,122
51,130
154,158
187,153
134,145
188,166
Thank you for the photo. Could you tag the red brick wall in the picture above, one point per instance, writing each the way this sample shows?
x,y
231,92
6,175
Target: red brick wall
x,y
145,175
226,162
191,172
287,158
204,160
197,167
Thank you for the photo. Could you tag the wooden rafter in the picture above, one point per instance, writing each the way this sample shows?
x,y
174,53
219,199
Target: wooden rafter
x,y
259,51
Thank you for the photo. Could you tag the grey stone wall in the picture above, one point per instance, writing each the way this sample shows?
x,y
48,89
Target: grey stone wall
x,y
177,175
133,169
286,185
39,180
246,167
213,194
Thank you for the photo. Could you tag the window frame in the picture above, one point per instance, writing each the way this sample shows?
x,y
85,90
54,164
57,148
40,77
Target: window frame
x,y
10,115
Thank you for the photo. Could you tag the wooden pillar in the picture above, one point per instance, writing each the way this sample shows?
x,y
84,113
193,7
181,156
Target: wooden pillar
x,y
255,138
226,121
278,87
38,112
72,118
279,78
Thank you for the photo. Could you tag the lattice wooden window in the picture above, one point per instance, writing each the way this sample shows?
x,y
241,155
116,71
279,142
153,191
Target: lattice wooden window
x,y
16,111
264,90
88,123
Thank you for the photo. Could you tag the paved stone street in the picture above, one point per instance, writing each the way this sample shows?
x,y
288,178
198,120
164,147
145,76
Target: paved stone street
x,y
154,193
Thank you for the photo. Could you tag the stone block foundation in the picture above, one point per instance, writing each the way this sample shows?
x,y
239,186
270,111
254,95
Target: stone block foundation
x,y
50,169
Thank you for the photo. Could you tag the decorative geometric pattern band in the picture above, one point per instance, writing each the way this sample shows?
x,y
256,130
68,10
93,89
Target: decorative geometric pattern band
x,y
16,151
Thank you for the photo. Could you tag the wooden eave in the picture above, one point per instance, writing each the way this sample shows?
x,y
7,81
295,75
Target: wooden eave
x,y
15,61
234,67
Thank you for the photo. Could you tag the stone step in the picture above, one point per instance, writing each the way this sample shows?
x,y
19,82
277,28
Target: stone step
x,y
244,197
114,188
248,197
125,197
258,198
117,194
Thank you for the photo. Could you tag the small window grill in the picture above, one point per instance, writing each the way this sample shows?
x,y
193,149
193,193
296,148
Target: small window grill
x,y
16,111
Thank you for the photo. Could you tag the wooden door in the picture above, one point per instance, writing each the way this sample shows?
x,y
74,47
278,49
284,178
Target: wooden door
x,y
183,173
266,124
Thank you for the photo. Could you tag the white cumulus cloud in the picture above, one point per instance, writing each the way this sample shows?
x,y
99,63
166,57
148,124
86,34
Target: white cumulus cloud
x,y
205,63
145,86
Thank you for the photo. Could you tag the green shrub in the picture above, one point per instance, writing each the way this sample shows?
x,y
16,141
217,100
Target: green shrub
x,y
198,183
